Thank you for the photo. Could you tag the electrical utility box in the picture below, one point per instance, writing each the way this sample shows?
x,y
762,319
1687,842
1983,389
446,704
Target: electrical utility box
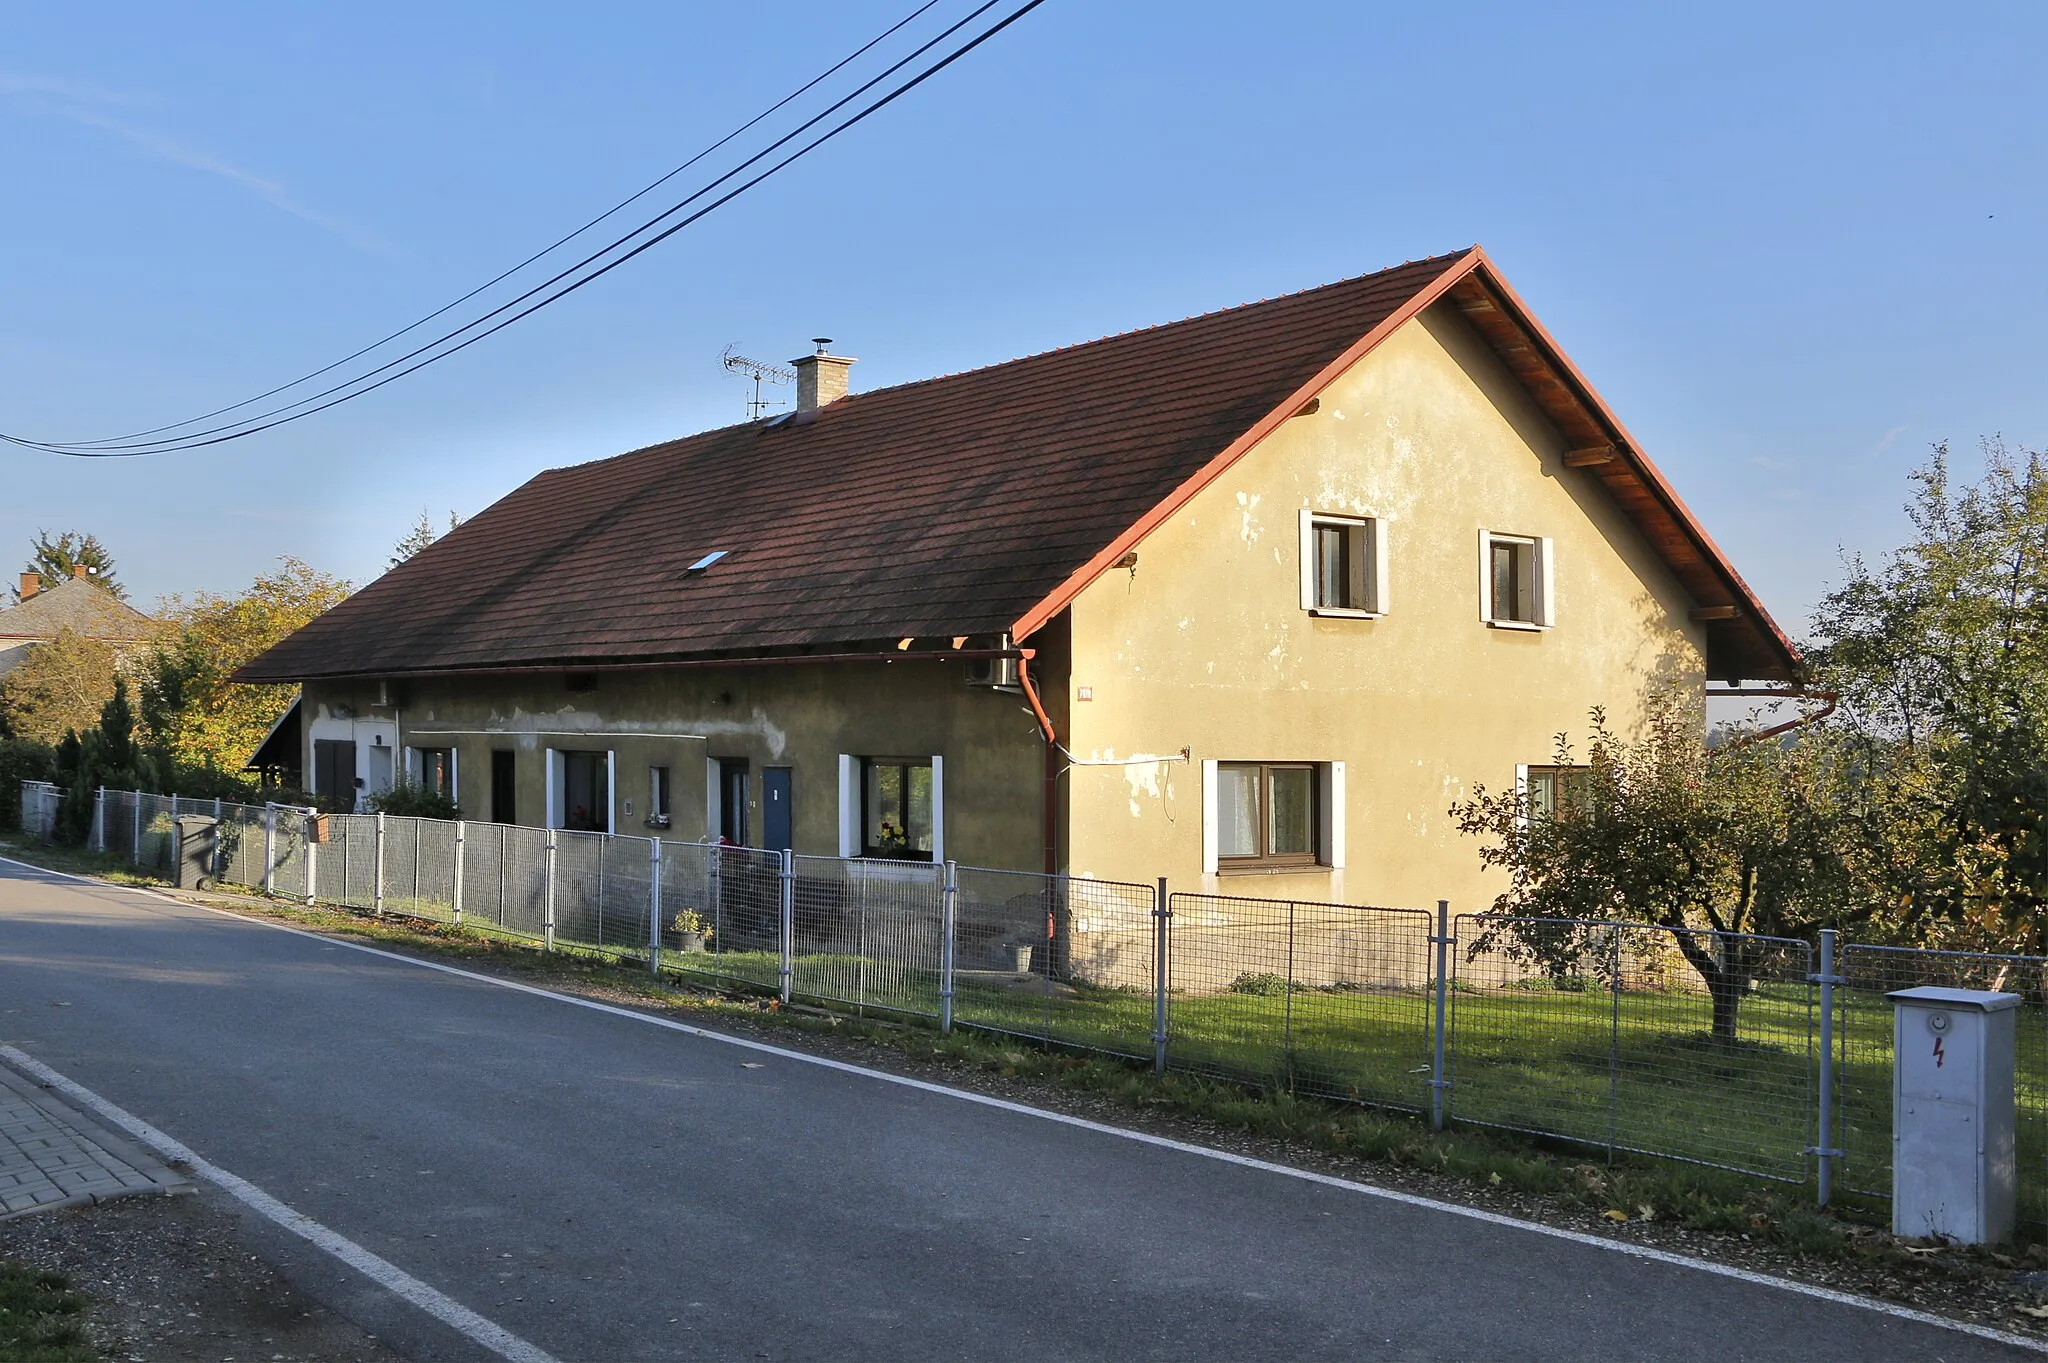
x,y
1953,1163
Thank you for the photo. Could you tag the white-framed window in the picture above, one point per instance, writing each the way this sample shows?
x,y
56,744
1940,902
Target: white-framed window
x,y
1272,816
580,789
1343,565
1515,581
892,807
432,770
660,790
1548,791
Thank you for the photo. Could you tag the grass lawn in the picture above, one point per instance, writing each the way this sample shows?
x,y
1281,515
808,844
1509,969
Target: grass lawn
x,y
41,1318
1640,1072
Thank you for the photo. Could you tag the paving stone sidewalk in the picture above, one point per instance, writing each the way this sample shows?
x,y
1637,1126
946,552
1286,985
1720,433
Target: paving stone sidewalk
x,y
52,1156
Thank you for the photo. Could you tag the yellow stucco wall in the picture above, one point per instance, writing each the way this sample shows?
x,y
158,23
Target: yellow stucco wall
x,y
1205,645
801,717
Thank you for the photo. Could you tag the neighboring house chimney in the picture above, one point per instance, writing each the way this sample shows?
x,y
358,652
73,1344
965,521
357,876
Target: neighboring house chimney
x,y
31,583
79,570
820,378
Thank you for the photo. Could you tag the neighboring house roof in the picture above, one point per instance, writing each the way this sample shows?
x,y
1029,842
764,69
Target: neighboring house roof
x,y
79,605
282,746
974,504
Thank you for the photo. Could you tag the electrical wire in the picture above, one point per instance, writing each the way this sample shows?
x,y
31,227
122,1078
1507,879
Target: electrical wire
x,y
358,387
552,246
264,420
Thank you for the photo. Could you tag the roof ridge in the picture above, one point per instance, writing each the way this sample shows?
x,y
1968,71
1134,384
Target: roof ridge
x,y
851,398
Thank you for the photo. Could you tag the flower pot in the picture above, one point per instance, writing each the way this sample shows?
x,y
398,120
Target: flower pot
x,y
690,941
1017,958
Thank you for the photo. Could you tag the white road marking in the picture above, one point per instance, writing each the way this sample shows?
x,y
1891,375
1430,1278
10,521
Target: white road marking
x,y
1646,1252
381,1271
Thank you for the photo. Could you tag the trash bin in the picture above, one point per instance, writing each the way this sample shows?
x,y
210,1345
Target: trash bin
x,y
198,837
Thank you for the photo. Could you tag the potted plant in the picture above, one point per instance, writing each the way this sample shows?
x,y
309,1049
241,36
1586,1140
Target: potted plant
x,y
692,930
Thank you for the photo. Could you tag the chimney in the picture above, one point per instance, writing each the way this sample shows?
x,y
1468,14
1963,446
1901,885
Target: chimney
x,y
820,378
79,570
31,583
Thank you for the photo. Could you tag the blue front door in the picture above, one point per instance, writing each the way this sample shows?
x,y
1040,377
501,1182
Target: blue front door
x,y
775,809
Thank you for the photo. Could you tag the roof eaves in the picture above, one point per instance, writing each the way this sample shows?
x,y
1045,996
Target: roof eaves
x,y
1456,268
1751,605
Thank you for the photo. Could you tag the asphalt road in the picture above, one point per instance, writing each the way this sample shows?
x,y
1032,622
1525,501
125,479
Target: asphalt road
x,y
612,1190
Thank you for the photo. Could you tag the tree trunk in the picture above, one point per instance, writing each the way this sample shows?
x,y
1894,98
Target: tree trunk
x,y
1726,978
1726,987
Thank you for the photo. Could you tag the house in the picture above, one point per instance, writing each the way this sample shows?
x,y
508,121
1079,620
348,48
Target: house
x,y
1247,600
79,605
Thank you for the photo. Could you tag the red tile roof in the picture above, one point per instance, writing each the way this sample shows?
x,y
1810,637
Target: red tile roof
x,y
952,506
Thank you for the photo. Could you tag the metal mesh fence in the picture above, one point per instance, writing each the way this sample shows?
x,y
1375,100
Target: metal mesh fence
x,y
238,849
291,868
1055,958
1691,1045
504,877
1325,999
867,933
39,800
1864,1044
721,912
155,840
347,861
117,813
419,867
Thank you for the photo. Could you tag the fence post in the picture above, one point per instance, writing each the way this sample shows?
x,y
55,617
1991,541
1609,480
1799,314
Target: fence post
x,y
309,818
654,914
377,870
1162,915
547,902
458,872
269,846
216,809
135,848
949,915
1614,1042
1824,1152
787,877
99,820
1439,1082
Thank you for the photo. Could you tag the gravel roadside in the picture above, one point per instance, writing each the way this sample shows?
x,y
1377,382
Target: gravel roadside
x,y
175,1278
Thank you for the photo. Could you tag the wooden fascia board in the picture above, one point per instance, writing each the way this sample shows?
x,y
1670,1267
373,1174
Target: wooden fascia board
x,y
1627,446
1063,595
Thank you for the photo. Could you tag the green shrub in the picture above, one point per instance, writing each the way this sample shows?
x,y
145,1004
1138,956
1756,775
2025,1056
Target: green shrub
x,y
413,801
21,760
1261,984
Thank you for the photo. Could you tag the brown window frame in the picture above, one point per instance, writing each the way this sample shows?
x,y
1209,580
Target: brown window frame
x,y
1265,857
1561,781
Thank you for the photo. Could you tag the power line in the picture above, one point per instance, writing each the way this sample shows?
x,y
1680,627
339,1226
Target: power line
x,y
799,92
359,386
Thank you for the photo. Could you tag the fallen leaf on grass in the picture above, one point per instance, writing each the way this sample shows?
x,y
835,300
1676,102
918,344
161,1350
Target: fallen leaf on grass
x,y
1645,1212
2037,1312
1615,1215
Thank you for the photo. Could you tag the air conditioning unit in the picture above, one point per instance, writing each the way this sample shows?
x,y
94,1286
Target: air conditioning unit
x,y
996,672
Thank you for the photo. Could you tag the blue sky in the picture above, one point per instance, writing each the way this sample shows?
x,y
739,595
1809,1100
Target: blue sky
x,y
1791,245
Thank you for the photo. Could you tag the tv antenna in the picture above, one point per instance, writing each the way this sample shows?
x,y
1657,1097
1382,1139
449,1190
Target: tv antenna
x,y
760,373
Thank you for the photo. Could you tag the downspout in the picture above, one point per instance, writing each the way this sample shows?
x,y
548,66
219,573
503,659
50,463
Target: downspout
x,y
1051,813
1829,700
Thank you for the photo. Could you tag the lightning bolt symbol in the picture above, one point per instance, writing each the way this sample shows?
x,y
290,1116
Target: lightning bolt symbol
x,y
1938,1059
